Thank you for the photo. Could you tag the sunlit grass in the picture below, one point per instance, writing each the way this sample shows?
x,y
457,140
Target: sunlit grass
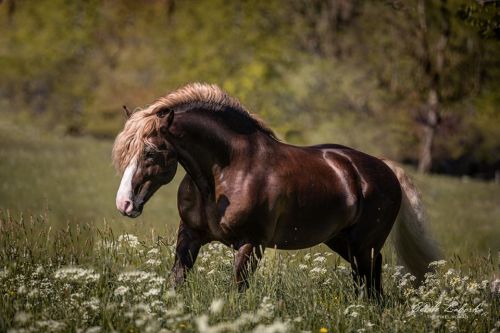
x,y
54,281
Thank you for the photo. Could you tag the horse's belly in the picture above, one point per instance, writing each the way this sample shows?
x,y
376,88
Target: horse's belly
x,y
298,231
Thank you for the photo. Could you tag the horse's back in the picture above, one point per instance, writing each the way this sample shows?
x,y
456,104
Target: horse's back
x,y
368,167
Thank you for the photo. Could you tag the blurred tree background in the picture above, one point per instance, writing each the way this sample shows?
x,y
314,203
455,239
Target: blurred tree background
x,y
417,81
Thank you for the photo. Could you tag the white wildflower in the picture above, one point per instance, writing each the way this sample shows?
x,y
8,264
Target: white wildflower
x,y
51,325
276,327
136,277
438,263
216,305
266,308
319,259
92,304
152,292
93,329
22,317
350,310
140,322
128,240
473,288
22,289
76,274
153,262
303,267
495,286
343,269
33,293
121,290
4,272
38,271
153,252
318,271
449,272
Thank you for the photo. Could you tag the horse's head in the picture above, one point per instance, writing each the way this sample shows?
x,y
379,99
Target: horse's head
x,y
150,168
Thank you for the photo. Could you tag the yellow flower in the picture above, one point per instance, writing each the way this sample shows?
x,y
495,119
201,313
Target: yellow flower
x,y
323,330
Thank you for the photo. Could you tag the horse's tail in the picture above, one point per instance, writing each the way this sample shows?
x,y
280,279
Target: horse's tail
x,y
414,246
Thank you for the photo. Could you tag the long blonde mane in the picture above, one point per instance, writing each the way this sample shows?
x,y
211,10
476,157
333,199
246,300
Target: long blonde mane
x,y
144,123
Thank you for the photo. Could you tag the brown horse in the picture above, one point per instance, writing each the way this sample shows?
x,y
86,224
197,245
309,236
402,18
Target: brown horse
x,y
246,189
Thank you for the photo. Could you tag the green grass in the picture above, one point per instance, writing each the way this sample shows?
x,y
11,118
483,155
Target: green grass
x,y
57,200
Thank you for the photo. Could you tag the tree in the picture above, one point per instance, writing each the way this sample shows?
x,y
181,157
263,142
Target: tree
x,y
432,63
440,60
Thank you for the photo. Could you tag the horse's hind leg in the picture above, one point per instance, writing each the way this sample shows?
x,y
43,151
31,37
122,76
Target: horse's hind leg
x,y
245,263
369,271
366,265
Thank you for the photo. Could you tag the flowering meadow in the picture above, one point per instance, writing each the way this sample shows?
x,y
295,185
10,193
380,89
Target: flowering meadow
x,y
86,279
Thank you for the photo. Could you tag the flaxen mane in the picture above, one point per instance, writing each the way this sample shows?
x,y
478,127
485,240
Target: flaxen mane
x,y
144,123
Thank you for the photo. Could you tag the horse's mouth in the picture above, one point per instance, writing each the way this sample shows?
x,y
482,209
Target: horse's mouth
x,y
134,213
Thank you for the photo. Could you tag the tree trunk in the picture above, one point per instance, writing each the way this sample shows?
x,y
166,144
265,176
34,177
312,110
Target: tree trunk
x,y
434,72
425,160
430,125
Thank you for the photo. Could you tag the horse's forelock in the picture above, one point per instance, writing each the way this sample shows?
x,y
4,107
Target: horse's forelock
x,y
132,139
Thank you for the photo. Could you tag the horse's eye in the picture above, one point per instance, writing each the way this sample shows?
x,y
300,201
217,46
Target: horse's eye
x,y
149,155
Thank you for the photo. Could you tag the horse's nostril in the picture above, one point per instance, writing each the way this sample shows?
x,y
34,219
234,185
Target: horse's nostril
x,y
128,206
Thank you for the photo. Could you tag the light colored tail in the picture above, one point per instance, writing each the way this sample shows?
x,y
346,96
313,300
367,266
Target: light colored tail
x,y
414,246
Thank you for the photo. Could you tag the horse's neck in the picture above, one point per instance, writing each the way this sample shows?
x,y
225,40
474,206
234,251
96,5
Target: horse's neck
x,y
199,160
203,161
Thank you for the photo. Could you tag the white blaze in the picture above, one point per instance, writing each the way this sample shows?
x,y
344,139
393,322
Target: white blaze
x,y
124,194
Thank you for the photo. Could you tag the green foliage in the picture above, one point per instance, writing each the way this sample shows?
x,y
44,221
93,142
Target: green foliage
x,y
299,65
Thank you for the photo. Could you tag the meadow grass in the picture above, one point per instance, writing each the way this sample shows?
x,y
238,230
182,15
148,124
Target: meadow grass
x,y
69,262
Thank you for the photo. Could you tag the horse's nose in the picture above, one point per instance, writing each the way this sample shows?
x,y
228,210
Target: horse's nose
x,y
125,206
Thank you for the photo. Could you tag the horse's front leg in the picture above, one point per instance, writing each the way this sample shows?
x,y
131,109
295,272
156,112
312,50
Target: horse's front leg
x,y
188,245
245,263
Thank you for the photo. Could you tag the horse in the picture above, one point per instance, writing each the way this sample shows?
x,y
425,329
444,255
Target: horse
x,y
250,191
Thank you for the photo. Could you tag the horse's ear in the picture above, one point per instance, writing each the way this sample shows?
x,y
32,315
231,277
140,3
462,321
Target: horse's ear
x,y
128,113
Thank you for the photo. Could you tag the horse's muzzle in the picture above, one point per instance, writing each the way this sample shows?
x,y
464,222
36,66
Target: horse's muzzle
x,y
127,208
